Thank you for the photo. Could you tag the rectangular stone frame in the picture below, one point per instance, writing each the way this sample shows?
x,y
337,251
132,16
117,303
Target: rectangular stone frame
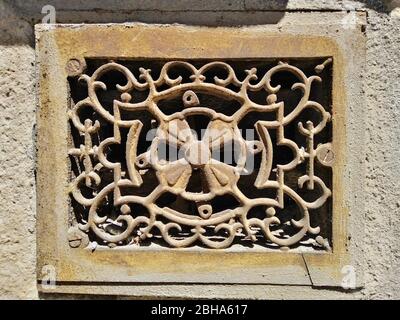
x,y
83,271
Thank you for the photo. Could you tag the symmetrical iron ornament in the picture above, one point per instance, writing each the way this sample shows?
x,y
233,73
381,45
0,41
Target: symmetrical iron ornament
x,y
115,214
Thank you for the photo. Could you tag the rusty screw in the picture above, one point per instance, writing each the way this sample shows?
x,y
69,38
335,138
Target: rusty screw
x,y
325,155
76,238
74,67
75,243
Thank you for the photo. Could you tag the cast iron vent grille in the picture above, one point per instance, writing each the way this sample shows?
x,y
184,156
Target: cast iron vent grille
x,y
214,154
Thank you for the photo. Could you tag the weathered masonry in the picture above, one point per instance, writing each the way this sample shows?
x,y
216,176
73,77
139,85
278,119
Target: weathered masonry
x,y
171,154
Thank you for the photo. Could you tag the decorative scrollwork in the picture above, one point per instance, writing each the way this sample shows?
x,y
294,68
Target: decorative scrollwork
x,y
112,216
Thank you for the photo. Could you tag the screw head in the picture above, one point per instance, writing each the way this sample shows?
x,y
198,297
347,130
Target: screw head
x,y
325,155
77,238
75,67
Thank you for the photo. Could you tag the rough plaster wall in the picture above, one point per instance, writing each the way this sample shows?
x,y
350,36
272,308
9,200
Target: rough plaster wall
x,y
17,120
383,157
17,181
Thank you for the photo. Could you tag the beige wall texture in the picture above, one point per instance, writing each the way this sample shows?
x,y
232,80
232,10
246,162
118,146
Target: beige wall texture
x,y
381,110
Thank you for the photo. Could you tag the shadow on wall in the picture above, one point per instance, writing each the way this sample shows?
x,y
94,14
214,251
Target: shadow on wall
x,y
199,12
17,17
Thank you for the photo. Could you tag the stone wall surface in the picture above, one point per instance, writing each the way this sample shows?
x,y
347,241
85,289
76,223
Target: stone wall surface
x,y
382,134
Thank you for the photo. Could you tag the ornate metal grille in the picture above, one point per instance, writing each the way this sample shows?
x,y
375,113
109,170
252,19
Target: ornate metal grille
x,y
203,177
